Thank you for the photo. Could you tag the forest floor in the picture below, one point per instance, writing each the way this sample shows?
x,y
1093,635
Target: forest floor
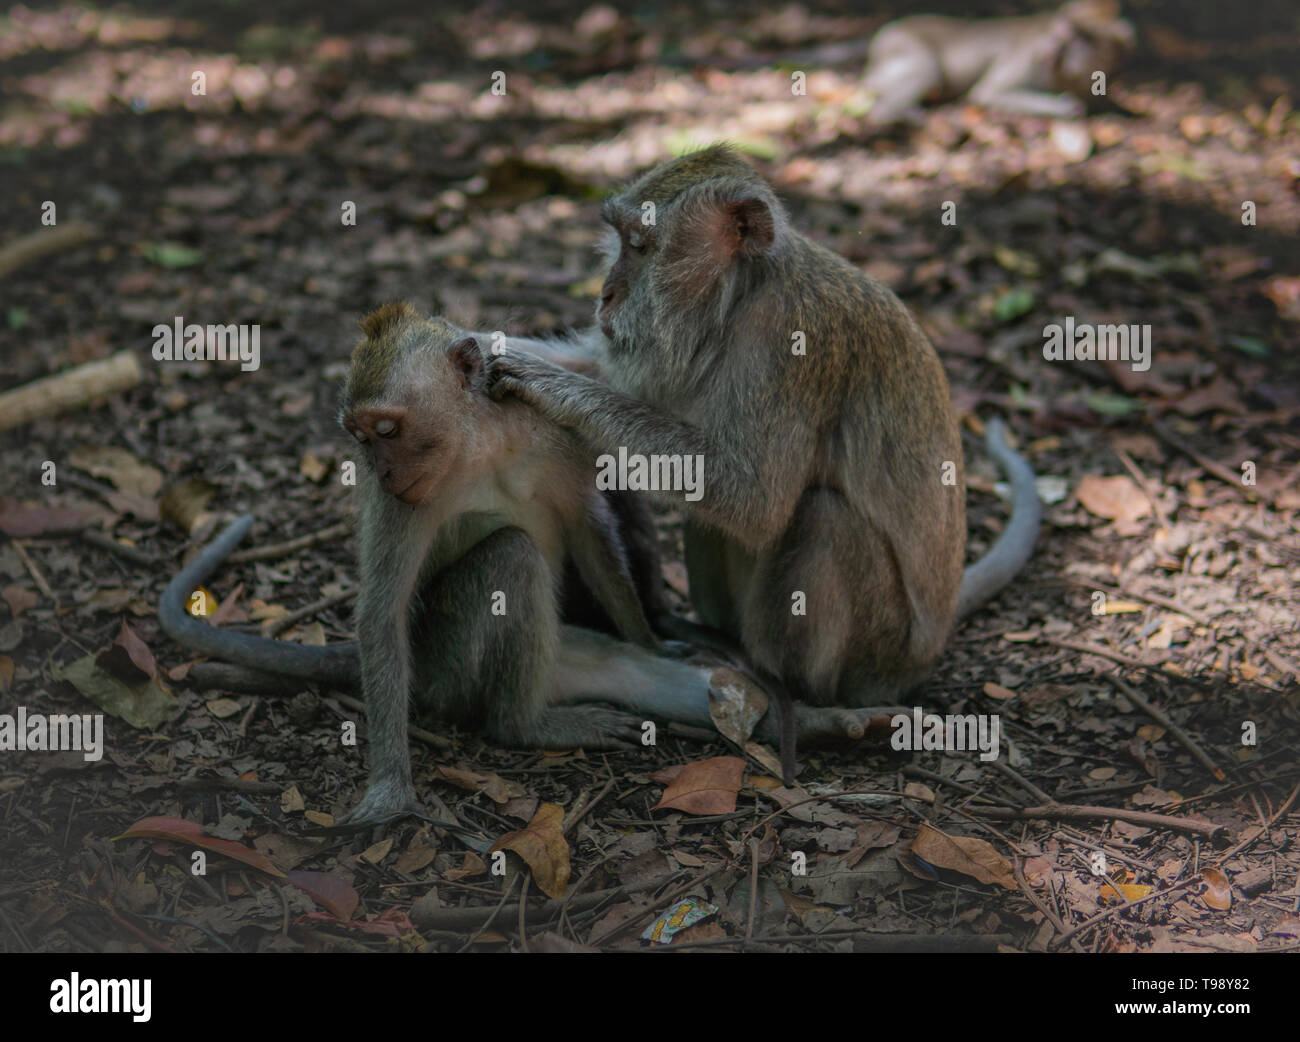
x,y
1143,667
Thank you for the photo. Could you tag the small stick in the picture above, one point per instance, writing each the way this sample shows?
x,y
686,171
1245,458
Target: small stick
x,y
37,577
1023,782
27,248
1162,718
1095,649
1017,865
278,626
97,538
753,888
1073,812
1116,909
1208,465
1250,840
274,550
70,389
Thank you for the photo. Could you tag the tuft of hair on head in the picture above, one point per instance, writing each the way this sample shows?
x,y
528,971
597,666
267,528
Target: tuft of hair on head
x,y
665,181
384,319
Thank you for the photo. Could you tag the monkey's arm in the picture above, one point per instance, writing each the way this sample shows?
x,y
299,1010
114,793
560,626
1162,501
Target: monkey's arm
x,y
393,550
582,352
336,665
736,497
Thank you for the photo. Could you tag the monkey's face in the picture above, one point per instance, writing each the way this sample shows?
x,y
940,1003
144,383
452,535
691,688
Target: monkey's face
x,y
402,449
406,401
628,245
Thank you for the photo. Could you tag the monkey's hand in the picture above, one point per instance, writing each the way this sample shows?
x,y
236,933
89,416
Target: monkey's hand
x,y
526,377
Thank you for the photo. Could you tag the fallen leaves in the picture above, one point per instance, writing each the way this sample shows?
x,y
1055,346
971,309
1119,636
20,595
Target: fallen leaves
x,y
190,834
704,787
543,847
1115,499
968,855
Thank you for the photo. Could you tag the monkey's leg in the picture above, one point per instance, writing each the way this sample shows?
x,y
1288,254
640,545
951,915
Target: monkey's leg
x,y
591,667
900,73
816,616
476,666
1002,87
600,555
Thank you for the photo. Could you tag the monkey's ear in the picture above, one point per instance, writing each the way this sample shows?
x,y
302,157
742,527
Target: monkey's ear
x,y
744,227
467,360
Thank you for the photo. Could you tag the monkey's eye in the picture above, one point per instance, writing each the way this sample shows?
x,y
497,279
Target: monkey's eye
x,y
358,435
636,242
386,428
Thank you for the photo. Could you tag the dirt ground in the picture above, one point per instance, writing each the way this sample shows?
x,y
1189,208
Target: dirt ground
x,y
1143,667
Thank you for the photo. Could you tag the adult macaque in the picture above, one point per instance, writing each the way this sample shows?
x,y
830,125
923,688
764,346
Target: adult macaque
x,y
830,537
469,511
1037,64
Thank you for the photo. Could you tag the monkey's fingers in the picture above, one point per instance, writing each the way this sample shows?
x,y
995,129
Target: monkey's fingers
x,y
821,723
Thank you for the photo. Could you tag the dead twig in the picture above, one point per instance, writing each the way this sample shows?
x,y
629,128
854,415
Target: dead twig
x,y
290,546
1080,812
27,248
278,626
1163,719
37,577
1218,470
68,390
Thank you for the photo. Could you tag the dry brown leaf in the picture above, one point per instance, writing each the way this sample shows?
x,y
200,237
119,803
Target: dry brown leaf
x,y
418,853
377,851
493,786
19,598
222,708
999,692
736,704
968,855
705,787
1116,499
471,866
1127,892
1218,890
543,847
129,658
291,801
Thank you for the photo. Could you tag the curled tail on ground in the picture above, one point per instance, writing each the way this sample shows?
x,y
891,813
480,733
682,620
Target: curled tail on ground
x,y
337,665
1008,555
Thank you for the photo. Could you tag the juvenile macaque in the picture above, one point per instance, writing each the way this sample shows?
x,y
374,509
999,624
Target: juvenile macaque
x,y
469,511
827,541
1037,64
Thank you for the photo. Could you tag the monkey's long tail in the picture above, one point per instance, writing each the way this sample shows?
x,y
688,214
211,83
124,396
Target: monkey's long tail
x,y
337,665
1008,555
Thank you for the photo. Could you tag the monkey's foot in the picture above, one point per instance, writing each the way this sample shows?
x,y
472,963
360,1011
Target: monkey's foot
x,y
835,723
385,802
589,726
